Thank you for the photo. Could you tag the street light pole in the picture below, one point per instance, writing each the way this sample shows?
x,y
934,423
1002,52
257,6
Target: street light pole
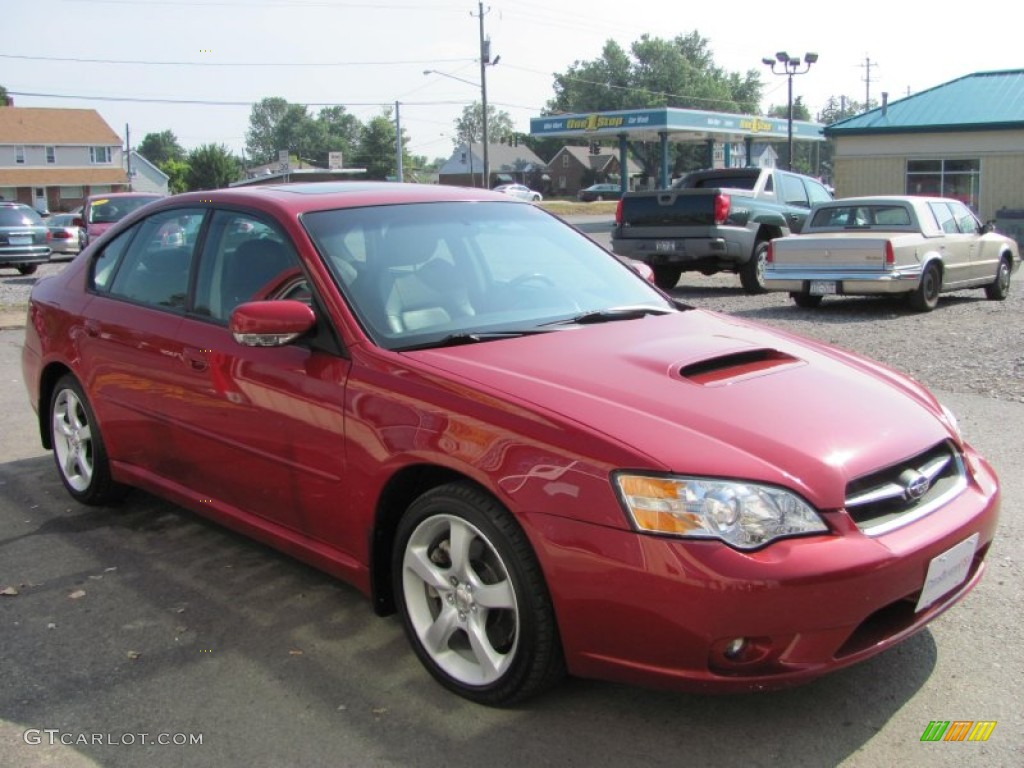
x,y
790,66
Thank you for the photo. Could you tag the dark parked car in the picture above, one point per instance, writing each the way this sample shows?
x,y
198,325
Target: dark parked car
x,y
65,236
24,238
489,424
597,192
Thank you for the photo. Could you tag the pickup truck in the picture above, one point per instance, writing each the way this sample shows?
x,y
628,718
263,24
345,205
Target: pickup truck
x,y
915,246
713,221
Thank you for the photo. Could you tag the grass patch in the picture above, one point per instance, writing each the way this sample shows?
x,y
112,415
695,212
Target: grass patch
x,y
570,208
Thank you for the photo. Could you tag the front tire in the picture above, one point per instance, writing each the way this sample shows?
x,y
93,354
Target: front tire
x,y
78,448
999,288
752,273
926,296
666,276
472,597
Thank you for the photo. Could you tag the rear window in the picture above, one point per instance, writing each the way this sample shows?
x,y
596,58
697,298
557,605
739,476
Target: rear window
x,y
746,181
860,216
22,216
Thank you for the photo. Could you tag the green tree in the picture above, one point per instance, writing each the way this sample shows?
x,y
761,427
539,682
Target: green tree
x,y
261,140
3,96
338,131
376,151
177,175
656,73
158,148
469,128
211,166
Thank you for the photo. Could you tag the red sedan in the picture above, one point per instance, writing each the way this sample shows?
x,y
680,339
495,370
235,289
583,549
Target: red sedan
x,y
492,426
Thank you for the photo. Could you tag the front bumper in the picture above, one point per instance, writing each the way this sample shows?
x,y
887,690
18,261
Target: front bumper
x,y
660,611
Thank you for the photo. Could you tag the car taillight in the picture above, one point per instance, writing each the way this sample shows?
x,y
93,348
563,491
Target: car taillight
x,y
61,235
890,256
721,208
618,212
769,255
49,235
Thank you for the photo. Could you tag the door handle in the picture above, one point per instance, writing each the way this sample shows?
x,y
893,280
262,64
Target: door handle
x,y
195,359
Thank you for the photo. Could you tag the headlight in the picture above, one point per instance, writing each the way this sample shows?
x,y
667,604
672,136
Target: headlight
x,y
744,515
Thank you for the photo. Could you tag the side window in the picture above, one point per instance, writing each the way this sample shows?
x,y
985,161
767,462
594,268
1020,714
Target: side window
x,y
816,192
106,264
947,222
793,191
965,220
245,259
155,267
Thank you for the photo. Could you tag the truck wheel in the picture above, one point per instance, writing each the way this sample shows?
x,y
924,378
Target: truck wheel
x,y
752,273
999,288
666,276
28,269
806,301
926,297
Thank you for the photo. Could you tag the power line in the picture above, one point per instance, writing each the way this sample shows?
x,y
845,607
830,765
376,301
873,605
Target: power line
x,y
235,64
211,103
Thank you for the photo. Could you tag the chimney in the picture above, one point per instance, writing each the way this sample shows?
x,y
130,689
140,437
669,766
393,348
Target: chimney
x,y
885,102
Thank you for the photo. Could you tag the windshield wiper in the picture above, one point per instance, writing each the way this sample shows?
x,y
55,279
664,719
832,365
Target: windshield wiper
x,y
471,337
613,313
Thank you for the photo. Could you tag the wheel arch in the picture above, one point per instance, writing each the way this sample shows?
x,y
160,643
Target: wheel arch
x,y
404,487
767,232
48,379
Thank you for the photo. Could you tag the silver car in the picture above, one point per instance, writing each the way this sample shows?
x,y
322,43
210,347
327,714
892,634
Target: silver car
x,y
65,237
24,238
917,246
520,191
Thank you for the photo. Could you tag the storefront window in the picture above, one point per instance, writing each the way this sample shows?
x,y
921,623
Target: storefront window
x,y
958,179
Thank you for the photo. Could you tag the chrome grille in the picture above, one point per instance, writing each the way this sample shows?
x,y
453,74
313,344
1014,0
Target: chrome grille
x,y
907,491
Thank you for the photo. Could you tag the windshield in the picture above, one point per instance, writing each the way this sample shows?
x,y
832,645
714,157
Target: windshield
x,y
424,272
107,210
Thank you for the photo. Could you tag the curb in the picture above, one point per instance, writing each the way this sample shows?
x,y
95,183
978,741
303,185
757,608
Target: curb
x,y
12,321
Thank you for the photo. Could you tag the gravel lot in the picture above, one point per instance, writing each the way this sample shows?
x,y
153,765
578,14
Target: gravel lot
x,y
968,344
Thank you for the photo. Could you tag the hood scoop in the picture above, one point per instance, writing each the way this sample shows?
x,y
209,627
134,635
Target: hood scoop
x,y
737,366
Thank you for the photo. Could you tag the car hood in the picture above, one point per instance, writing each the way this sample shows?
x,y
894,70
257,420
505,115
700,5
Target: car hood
x,y
700,393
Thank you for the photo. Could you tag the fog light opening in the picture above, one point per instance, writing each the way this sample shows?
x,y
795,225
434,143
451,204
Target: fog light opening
x,y
734,648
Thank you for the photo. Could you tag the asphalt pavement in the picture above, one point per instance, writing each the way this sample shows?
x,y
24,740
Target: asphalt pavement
x,y
144,635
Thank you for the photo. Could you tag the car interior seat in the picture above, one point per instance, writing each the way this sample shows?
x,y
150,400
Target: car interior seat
x,y
251,267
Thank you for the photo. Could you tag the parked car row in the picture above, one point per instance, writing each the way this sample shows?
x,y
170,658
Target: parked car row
x,y
28,238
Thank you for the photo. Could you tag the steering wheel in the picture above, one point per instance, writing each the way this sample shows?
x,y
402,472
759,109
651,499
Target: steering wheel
x,y
533,277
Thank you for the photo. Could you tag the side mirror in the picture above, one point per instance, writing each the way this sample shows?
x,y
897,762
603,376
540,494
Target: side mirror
x,y
270,323
989,226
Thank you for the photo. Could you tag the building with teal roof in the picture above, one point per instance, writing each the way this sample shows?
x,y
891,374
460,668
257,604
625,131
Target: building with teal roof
x,y
962,139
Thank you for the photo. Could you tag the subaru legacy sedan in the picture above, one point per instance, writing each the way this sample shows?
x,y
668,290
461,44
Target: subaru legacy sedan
x,y
490,425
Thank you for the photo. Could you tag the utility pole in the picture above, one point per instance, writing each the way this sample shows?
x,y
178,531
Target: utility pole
x,y
398,142
485,58
128,153
867,82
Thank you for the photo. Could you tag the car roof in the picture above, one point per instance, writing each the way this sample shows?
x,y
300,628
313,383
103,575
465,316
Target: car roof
x,y
326,195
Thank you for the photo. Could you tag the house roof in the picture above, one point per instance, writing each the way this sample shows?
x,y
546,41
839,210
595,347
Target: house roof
x,y
500,157
138,158
54,177
982,101
596,162
37,125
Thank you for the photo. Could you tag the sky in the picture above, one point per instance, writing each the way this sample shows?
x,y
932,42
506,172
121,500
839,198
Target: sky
x,y
195,67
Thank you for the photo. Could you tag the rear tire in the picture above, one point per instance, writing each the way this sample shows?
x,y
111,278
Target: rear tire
x,y
806,301
752,273
666,276
926,296
78,448
999,288
28,269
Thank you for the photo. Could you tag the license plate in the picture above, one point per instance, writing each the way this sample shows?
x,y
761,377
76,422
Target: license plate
x,y
20,240
947,571
822,287
665,245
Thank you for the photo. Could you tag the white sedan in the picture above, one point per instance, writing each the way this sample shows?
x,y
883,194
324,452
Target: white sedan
x,y
917,246
520,191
